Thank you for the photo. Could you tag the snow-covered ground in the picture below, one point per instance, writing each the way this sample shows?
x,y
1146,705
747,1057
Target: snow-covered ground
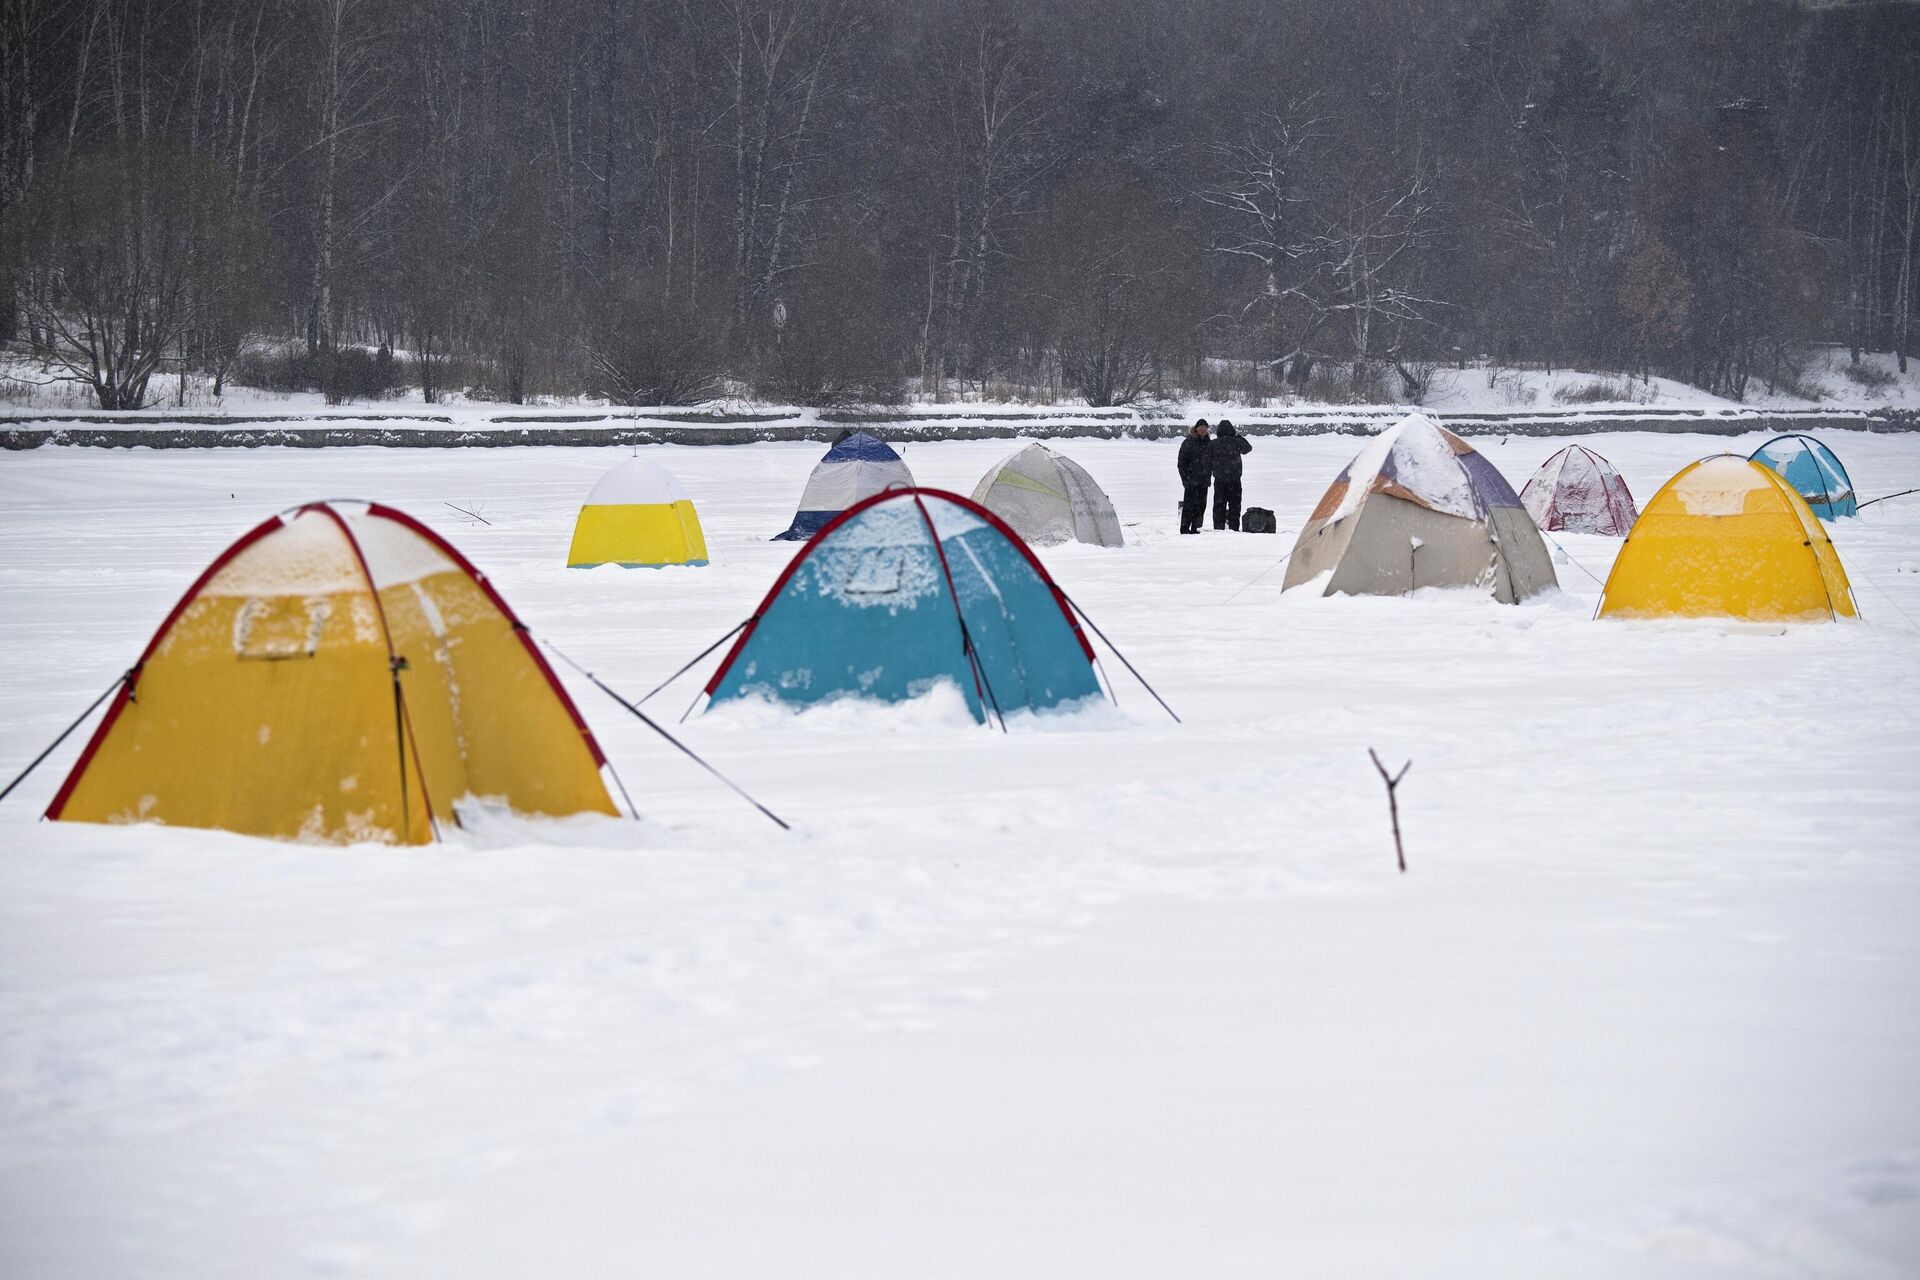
x,y
1831,381
1104,997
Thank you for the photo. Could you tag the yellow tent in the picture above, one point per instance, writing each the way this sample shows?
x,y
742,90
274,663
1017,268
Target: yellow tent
x,y
637,516
338,674
1728,538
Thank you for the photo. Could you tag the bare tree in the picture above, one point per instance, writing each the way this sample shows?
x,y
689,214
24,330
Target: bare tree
x,y
980,112
1259,184
778,57
1111,285
105,254
346,97
1366,248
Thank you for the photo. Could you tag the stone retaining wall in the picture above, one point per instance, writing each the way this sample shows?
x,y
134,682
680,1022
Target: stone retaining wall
x,y
431,431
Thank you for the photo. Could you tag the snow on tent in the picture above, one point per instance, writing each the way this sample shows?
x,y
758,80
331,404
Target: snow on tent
x,y
338,674
1047,498
1813,470
1418,507
1728,538
638,516
856,468
901,593
1579,491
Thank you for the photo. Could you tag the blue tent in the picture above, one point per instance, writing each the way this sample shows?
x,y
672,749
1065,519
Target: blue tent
x,y
1813,470
905,590
857,467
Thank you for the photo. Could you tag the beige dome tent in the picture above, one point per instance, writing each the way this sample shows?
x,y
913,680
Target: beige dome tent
x,y
1418,507
1049,498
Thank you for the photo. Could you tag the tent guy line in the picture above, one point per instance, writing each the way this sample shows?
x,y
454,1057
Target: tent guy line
x,y
654,725
1883,497
67,732
1256,577
1059,591
695,660
1570,558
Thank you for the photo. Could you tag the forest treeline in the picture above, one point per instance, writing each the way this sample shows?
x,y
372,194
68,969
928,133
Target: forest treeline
x,y
1103,198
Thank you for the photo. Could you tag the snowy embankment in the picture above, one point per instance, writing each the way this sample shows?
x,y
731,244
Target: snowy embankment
x,y
469,426
1107,996
1478,400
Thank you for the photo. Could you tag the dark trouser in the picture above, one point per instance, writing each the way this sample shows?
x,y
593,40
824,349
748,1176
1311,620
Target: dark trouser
x,y
1226,504
1193,506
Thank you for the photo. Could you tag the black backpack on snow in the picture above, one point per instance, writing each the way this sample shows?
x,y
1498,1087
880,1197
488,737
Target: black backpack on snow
x,y
1258,520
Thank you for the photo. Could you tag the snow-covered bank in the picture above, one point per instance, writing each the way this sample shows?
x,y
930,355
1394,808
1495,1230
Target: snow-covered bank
x,y
1116,998
467,427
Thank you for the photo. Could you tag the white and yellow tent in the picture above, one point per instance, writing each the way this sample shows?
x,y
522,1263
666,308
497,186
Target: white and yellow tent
x,y
339,674
1046,498
1728,538
640,517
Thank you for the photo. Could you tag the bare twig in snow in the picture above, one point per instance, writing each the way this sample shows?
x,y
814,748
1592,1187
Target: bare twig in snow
x,y
1393,803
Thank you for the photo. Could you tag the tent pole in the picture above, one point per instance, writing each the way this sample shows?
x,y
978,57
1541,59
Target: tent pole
x,y
1113,695
979,670
620,783
400,741
121,679
981,689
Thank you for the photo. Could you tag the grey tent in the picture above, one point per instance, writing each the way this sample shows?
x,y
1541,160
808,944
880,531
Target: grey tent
x,y
1048,498
1418,507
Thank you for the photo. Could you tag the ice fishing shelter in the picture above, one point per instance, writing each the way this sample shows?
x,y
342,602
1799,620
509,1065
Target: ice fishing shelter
x,y
1418,507
1814,471
901,592
1048,498
857,467
1579,491
1728,538
637,515
339,674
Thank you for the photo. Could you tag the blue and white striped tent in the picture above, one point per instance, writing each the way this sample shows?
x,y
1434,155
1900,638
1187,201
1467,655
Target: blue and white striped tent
x,y
1814,472
855,469
903,592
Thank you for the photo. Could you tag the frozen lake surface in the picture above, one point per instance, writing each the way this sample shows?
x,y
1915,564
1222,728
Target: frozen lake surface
x,y
1104,997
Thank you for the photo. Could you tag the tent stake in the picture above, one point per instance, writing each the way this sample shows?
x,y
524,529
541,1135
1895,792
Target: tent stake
x,y
1393,804
123,677
654,725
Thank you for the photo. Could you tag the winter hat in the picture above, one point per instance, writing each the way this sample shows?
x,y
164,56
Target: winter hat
x,y
1226,428
1198,426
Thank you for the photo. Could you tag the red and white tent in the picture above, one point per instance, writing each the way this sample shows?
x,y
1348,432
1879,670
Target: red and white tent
x,y
1579,491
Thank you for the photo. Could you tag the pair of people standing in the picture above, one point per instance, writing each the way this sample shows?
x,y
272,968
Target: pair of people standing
x,y
1216,459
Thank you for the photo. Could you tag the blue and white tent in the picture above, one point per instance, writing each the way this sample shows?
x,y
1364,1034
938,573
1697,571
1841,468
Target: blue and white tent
x,y
1814,472
853,470
903,592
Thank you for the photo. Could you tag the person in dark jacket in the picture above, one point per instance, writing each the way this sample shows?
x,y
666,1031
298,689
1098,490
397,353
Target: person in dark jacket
x,y
1223,458
1195,471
